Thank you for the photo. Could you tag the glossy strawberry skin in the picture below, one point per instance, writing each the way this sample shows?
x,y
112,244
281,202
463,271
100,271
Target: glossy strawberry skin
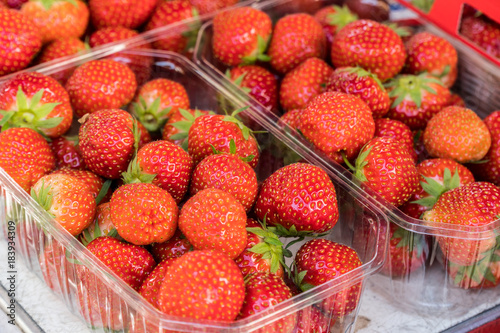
x,y
377,42
398,131
93,181
151,285
102,222
175,247
292,118
300,195
200,219
312,319
210,6
67,153
25,155
126,13
296,37
262,84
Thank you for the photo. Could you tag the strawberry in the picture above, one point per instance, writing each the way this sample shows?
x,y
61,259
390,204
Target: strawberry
x,y
321,260
262,291
176,134
58,272
125,13
175,247
143,213
356,81
19,39
228,173
67,199
37,101
93,181
456,100
108,139
481,275
102,226
201,221
296,37
157,100
303,83
432,54
416,98
212,280
100,84
57,19
370,45
386,166
457,133
471,205
171,165
182,38
292,118
482,31
258,82
152,284
67,152
312,319
25,156
211,6
336,122
241,35
436,177
398,131
333,18
299,197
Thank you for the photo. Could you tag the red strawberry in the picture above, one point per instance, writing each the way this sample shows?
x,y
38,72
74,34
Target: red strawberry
x,y
482,31
416,98
211,6
292,118
143,213
456,100
296,37
25,156
303,83
241,35
262,291
213,219
457,133
212,279
157,100
312,319
173,248
93,181
19,39
471,205
37,101
57,19
370,45
100,84
107,141
299,197
398,131
67,152
258,82
432,54
102,225
67,199
436,177
152,284
484,274
125,13
333,18
58,272
386,166
321,260
177,134
356,81
336,122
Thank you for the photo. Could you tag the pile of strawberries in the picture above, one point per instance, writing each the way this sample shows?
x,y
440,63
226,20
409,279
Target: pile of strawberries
x,y
379,99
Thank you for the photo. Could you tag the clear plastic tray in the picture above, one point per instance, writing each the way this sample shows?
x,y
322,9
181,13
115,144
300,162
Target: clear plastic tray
x,y
431,288
36,235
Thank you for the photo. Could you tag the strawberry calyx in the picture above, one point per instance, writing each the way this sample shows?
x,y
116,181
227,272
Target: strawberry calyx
x,y
30,113
151,116
411,86
259,52
341,17
410,240
423,5
44,197
399,30
87,236
298,279
103,191
435,189
238,81
245,131
183,126
232,151
358,168
293,232
361,72
134,174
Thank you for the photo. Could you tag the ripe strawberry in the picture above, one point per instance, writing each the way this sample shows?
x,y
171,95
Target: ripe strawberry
x,y
471,205
482,31
125,13
57,19
292,118
296,37
333,18
258,82
20,41
67,199
100,84
198,274
241,35
299,197
37,101
201,221
211,6
93,181
312,319
25,156
370,45
102,226
108,139
262,291
483,274
336,122
152,284
356,81
58,272
457,133
398,131
303,83
416,98
456,100
173,248
157,100
175,133
67,152
436,177
432,54
182,38
321,260
386,167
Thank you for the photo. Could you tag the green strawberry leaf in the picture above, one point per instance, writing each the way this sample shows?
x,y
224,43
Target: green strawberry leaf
x,y
36,98
50,123
341,17
22,100
134,174
104,190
